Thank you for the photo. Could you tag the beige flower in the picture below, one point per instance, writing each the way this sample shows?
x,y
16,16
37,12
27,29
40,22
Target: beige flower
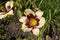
x,y
9,5
8,11
32,21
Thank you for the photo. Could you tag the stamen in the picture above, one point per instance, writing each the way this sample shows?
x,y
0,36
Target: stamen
x,y
32,22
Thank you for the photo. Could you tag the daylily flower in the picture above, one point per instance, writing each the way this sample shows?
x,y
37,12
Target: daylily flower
x,y
9,5
8,11
32,21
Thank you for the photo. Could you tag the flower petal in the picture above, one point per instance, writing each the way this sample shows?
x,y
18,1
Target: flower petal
x,y
22,19
28,11
9,5
39,13
42,22
36,32
2,16
25,29
10,12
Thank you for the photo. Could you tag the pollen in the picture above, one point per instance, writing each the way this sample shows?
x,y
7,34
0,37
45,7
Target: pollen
x,y
32,22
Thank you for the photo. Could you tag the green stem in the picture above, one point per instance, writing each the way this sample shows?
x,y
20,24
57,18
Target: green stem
x,y
40,3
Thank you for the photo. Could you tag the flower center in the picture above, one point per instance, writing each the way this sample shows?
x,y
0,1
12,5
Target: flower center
x,y
32,22
8,7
